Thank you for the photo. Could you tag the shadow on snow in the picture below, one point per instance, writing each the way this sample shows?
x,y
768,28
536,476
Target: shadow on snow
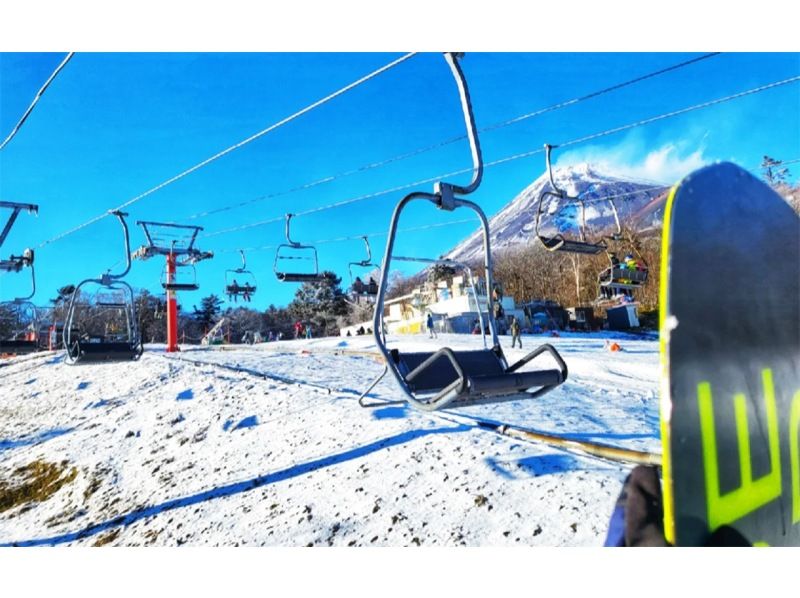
x,y
33,440
239,487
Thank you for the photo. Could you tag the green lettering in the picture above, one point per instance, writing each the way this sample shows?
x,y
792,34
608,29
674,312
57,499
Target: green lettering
x,y
752,494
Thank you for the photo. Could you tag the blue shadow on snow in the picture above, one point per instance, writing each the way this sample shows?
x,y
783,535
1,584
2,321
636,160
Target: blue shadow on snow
x,y
186,395
82,385
240,487
247,422
537,466
6,445
390,412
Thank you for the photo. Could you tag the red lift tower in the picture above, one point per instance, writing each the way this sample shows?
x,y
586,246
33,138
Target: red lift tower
x,y
176,243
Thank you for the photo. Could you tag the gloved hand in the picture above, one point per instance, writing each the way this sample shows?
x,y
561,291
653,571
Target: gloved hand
x,y
638,517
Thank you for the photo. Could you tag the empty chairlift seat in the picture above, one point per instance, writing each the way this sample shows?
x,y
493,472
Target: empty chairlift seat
x,y
447,377
89,351
460,378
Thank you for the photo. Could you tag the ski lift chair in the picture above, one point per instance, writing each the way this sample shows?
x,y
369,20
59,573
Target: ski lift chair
x,y
290,252
233,288
619,279
358,286
559,242
188,282
180,250
432,380
24,324
18,343
82,346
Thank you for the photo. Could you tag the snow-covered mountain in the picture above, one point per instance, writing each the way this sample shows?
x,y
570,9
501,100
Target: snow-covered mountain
x,y
638,203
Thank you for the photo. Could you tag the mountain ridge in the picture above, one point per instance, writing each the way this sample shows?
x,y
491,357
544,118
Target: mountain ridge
x,y
640,205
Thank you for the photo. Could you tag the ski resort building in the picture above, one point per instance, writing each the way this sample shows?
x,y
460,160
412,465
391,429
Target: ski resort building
x,y
455,308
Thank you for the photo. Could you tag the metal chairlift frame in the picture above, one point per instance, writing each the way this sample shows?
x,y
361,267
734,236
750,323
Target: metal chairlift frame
x,y
79,351
189,255
435,380
296,276
366,288
181,286
14,345
16,264
558,242
243,271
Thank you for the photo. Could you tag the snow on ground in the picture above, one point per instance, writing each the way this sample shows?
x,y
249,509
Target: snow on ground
x,y
166,451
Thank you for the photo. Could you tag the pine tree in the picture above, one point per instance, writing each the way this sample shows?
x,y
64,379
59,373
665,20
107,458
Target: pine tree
x,y
210,308
320,303
772,171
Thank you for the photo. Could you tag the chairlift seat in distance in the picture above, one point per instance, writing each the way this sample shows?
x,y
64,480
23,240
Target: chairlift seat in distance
x,y
180,286
239,289
235,288
570,246
624,278
296,277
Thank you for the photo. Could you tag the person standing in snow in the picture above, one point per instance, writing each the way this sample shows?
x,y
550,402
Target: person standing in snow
x,y
515,332
308,330
431,331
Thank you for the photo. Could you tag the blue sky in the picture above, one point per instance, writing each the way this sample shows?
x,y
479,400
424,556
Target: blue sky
x,y
112,126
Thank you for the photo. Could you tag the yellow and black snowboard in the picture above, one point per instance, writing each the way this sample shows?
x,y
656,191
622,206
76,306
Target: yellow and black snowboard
x,y
730,354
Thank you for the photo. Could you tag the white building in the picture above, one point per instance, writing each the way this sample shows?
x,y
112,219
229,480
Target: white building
x,y
454,307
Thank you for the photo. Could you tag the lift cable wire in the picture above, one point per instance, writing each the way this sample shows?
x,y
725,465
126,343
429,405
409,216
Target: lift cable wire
x,y
36,100
439,224
381,233
514,157
236,146
417,152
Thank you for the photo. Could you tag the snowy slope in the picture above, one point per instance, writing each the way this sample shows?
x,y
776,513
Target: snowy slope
x,y
640,203
175,453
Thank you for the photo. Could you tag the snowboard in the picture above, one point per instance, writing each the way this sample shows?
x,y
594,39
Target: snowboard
x,y
730,357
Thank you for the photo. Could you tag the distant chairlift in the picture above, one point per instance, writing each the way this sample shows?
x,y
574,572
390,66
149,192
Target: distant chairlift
x,y
20,324
104,327
292,250
358,286
176,242
558,242
240,282
183,279
432,380
623,276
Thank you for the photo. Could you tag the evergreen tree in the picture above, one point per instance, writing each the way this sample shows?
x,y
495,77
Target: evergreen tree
x,y
210,308
320,303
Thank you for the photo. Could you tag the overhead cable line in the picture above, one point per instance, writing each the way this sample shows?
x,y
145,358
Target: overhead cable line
x,y
36,100
517,156
236,146
381,233
417,152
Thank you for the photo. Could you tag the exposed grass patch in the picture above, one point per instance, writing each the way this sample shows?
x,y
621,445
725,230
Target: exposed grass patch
x,y
35,482
95,483
107,538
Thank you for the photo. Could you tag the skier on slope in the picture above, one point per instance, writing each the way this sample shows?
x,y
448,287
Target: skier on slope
x,y
515,332
431,331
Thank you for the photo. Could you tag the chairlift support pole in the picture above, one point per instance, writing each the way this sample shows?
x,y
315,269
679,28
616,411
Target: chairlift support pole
x,y
172,308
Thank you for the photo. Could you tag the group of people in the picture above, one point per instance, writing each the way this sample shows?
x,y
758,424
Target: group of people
x,y
234,290
360,288
616,274
302,330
